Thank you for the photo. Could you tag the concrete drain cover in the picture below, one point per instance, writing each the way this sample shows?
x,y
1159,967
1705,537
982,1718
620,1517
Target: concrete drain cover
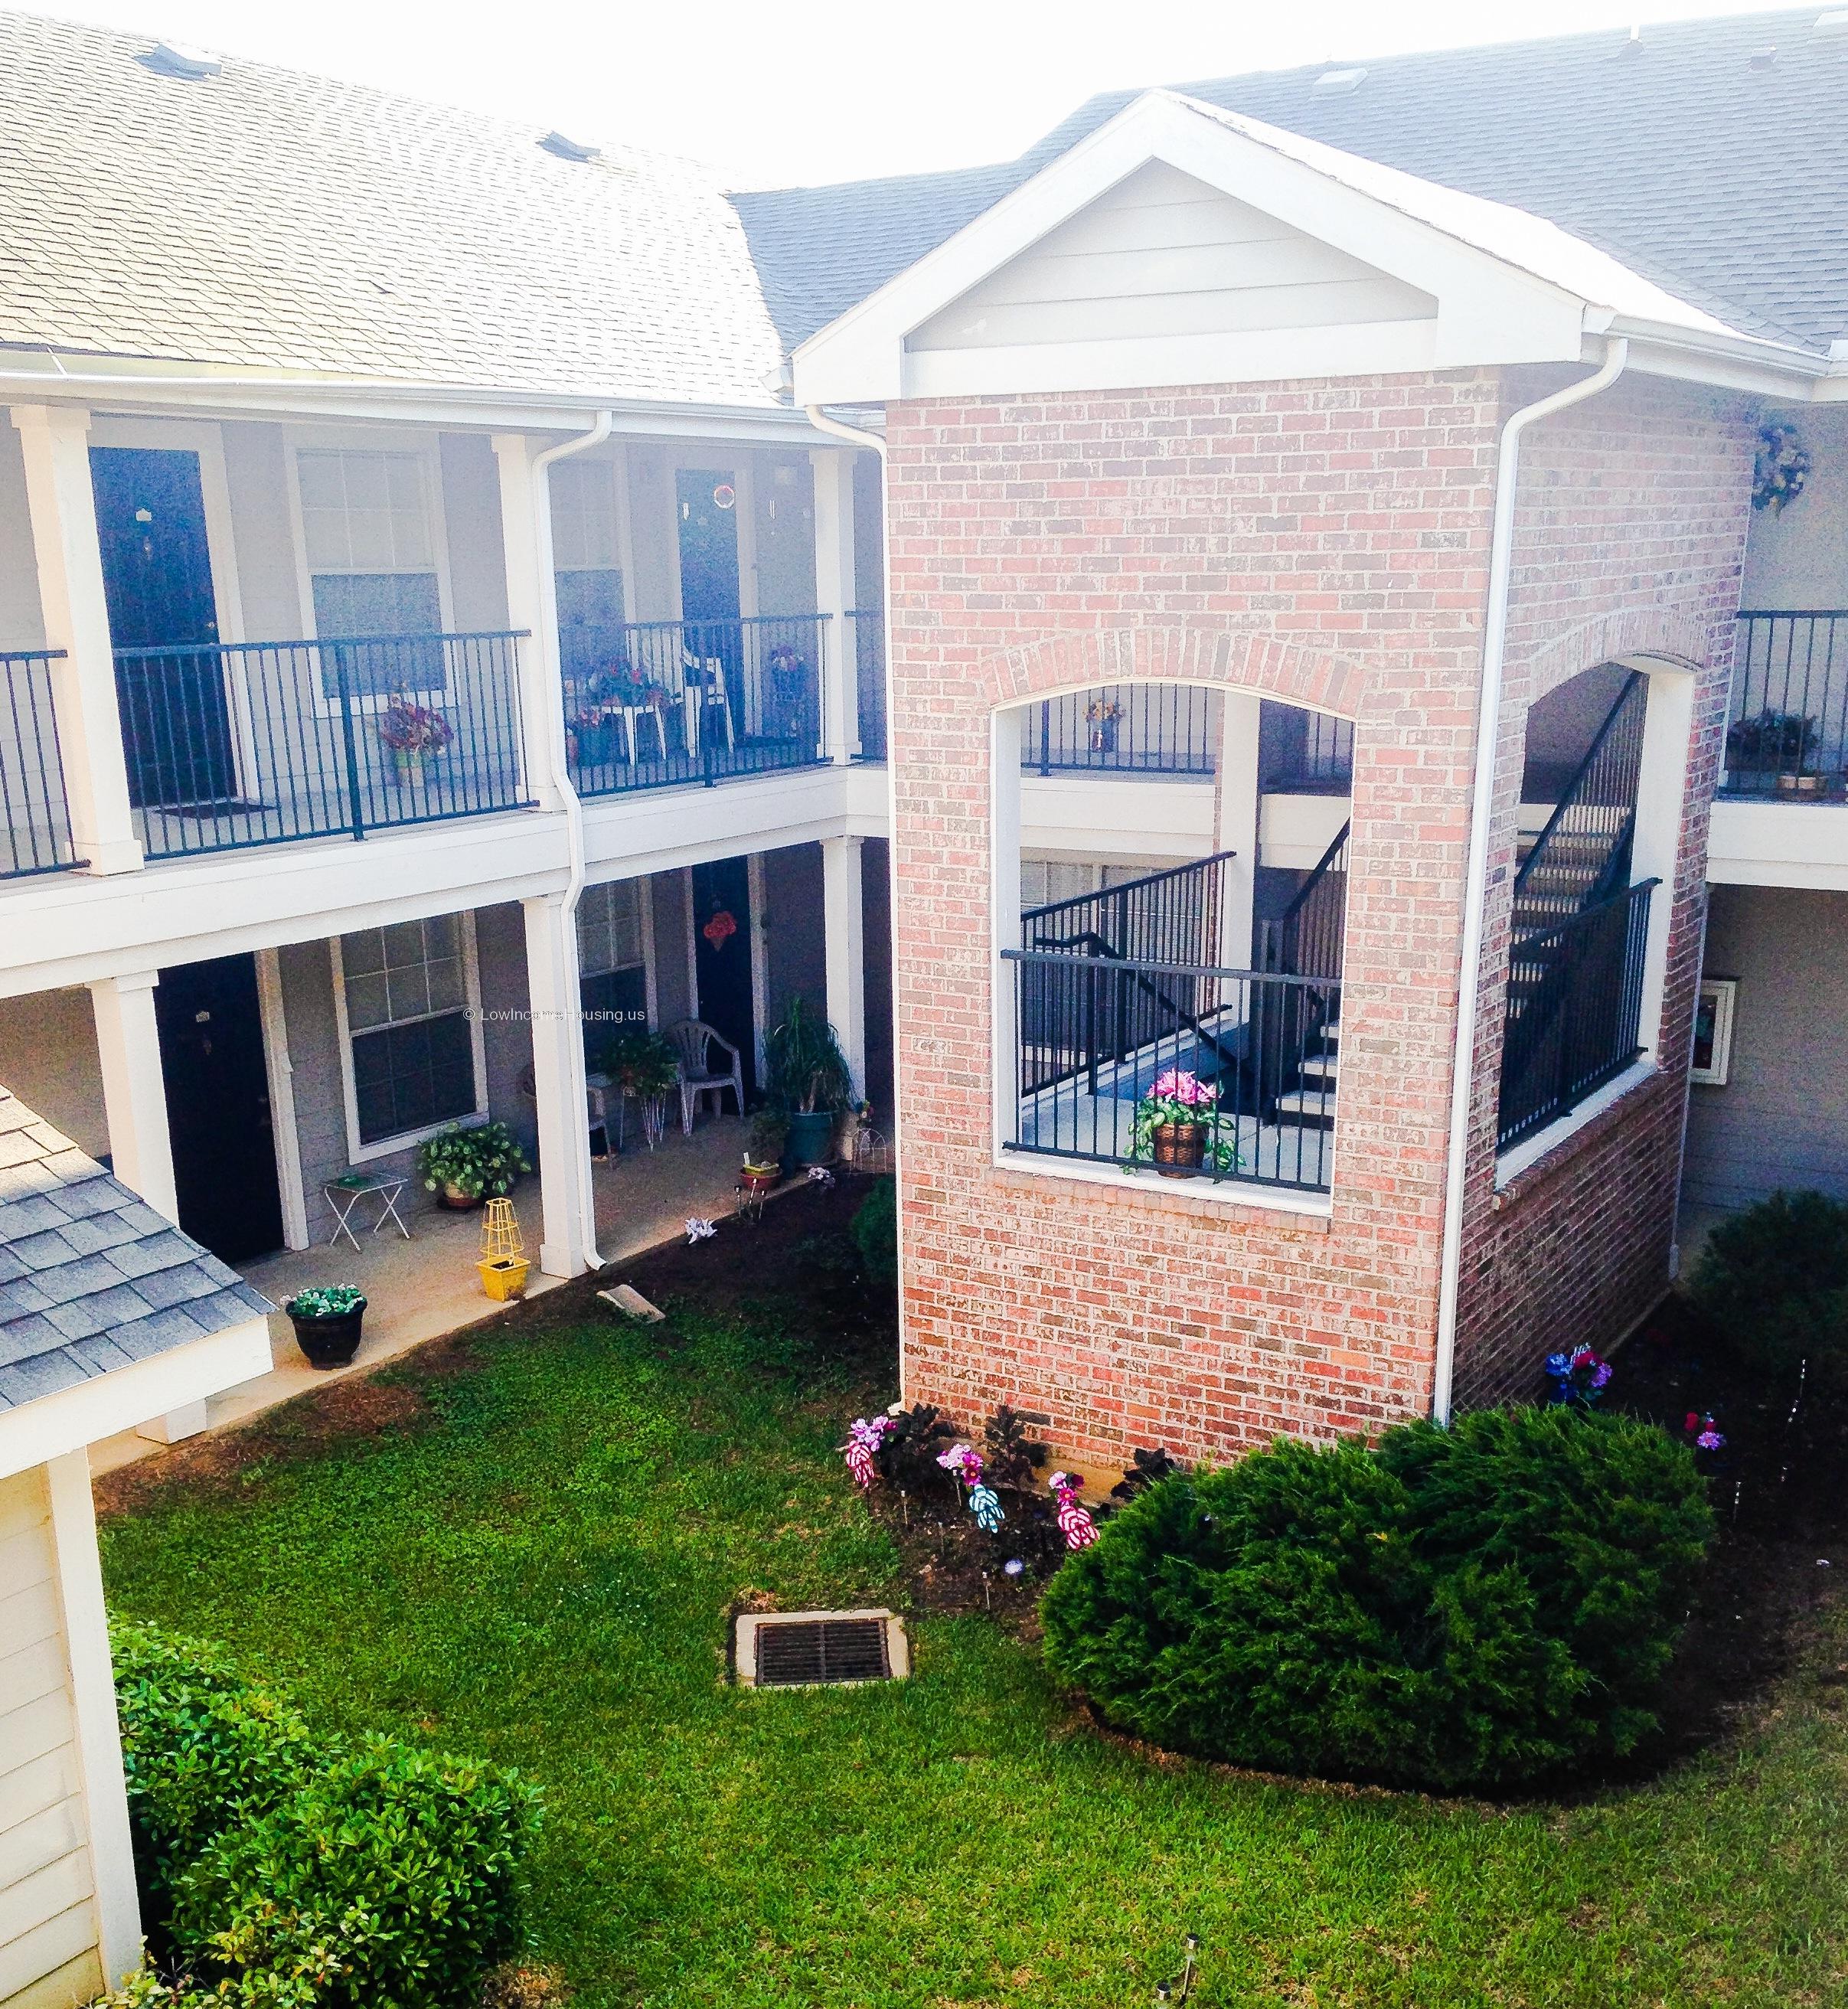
x,y
806,1649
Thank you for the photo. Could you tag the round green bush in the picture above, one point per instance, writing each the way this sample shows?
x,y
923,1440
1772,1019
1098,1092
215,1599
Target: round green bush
x,y
1472,1607
1773,1278
875,1230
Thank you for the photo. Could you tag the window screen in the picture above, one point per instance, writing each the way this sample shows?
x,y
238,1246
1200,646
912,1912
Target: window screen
x,y
587,567
413,1057
366,522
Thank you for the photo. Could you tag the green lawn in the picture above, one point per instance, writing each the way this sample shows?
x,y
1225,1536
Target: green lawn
x,y
538,1568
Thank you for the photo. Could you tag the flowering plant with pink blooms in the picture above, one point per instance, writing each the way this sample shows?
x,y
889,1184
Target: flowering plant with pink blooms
x,y
1177,1096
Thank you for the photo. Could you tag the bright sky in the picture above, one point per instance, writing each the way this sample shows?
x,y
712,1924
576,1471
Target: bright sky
x,y
783,91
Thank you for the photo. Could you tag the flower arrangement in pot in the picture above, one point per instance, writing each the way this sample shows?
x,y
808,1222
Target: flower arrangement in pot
x,y
809,1080
412,732
645,1065
1775,742
1103,715
1178,1125
326,1319
763,1152
465,1163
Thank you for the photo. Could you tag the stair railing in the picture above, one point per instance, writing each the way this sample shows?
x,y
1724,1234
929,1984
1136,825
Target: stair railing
x,y
1606,779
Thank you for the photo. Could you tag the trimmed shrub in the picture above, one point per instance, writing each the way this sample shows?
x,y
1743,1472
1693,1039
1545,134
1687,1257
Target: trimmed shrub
x,y
1773,1280
875,1231
1463,1608
284,1871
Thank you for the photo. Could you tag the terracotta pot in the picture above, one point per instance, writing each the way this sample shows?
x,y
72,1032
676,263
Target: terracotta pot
x,y
1180,1149
456,1200
755,1179
1800,785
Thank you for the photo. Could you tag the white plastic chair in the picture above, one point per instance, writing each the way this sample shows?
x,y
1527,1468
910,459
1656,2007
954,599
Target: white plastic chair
x,y
703,690
693,1040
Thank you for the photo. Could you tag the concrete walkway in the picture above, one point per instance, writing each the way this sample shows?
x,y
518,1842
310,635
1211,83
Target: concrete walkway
x,y
427,1287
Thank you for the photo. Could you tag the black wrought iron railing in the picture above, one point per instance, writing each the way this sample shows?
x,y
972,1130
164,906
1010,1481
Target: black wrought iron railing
x,y
867,629
1124,729
233,744
1582,854
1307,938
1575,996
38,825
1097,1035
665,702
1787,733
1309,751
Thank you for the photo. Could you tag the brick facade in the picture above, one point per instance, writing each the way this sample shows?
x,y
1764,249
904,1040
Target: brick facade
x,y
1325,543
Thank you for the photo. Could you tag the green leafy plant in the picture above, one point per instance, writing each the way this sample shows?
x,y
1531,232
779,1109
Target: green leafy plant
x,y
473,1159
806,1069
284,1870
1470,1607
768,1135
875,1229
326,1301
1182,1100
639,1062
1779,741
1773,1279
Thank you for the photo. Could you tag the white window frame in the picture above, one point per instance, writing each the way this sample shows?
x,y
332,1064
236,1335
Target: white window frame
x,y
1724,991
616,460
426,449
645,920
358,1153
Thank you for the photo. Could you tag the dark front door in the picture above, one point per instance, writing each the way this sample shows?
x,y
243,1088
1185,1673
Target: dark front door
x,y
708,544
157,578
218,1106
722,894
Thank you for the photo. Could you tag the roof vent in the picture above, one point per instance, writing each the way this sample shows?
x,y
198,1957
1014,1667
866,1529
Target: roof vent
x,y
1765,58
1337,83
1632,44
1834,23
569,150
178,59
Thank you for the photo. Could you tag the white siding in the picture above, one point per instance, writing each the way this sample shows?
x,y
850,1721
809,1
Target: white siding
x,y
1164,254
49,1958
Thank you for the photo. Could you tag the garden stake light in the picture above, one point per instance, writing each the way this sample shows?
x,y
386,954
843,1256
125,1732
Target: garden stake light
x,y
1182,1985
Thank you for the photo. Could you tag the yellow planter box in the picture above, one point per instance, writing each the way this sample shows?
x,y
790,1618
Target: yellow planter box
x,y
504,1277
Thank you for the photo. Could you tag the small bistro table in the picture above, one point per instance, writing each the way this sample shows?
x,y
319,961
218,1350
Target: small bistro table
x,y
343,1194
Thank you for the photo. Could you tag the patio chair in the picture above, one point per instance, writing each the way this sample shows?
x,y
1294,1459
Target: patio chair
x,y
704,690
693,1040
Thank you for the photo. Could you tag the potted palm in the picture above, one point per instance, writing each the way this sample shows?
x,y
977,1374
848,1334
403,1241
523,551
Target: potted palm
x,y
809,1081
327,1320
465,1164
1177,1126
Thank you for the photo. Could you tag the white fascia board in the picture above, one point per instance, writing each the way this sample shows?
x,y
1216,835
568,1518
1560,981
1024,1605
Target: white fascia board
x,y
1104,816
1295,831
859,358
127,1396
1801,844
626,837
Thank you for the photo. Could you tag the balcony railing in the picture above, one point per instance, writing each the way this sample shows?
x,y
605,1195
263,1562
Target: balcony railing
x,y
868,630
38,826
1095,1032
1575,1001
1787,734
234,744
1306,752
1124,729
670,702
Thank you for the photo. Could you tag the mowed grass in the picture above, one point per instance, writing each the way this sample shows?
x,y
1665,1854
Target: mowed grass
x,y
538,1568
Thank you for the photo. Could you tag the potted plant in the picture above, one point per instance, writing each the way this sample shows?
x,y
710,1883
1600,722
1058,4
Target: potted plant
x,y
809,1081
463,1164
1775,742
643,1064
763,1152
326,1319
1177,1126
1103,716
412,732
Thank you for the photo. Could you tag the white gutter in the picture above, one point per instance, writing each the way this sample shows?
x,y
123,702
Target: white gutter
x,y
875,443
546,642
1475,898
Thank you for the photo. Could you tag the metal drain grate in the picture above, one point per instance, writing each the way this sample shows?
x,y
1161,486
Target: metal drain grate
x,y
820,1648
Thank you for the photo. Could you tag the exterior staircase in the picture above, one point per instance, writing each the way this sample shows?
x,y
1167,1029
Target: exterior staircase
x,y
1305,940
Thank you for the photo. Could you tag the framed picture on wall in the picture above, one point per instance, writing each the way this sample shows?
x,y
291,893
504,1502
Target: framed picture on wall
x,y
1713,1031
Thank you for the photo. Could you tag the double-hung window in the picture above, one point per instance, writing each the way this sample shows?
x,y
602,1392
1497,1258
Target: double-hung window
x,y
587,566
408,993
612,959
367,531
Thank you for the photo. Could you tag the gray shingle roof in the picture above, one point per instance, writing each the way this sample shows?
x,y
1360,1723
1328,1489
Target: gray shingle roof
x,y
91,1278
261,217
1722,179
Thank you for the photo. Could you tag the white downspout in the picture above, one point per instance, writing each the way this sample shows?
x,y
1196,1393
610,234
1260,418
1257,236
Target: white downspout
x,y
875,443
547,642
1495,640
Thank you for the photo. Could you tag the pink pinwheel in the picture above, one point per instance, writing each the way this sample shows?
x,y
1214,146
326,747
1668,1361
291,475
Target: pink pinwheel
x,y
863,1439
1075,1525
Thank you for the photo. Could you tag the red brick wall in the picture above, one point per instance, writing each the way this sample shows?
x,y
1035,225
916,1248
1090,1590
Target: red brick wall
x,y
1630,540
1324,543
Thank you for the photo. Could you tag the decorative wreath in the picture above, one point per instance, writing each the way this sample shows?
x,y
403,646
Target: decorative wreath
x,y
1781,469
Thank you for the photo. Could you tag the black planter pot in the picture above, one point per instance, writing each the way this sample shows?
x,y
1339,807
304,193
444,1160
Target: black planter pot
x,y
329,1342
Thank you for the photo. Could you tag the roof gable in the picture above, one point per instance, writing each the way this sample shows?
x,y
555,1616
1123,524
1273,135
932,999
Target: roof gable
x,y
1377,246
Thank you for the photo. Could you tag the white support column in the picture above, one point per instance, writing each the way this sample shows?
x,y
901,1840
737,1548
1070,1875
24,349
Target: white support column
x,y
532,604
1661,794
128,1042
55,442
844,945
98,1728
558,1085
834,597
1237,826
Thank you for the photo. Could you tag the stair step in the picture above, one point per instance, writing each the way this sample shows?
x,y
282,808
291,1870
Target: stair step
x,y
1321,1067
1313,1111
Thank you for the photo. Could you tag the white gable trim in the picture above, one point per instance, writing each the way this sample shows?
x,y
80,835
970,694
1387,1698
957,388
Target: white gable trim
x,y
1489,310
